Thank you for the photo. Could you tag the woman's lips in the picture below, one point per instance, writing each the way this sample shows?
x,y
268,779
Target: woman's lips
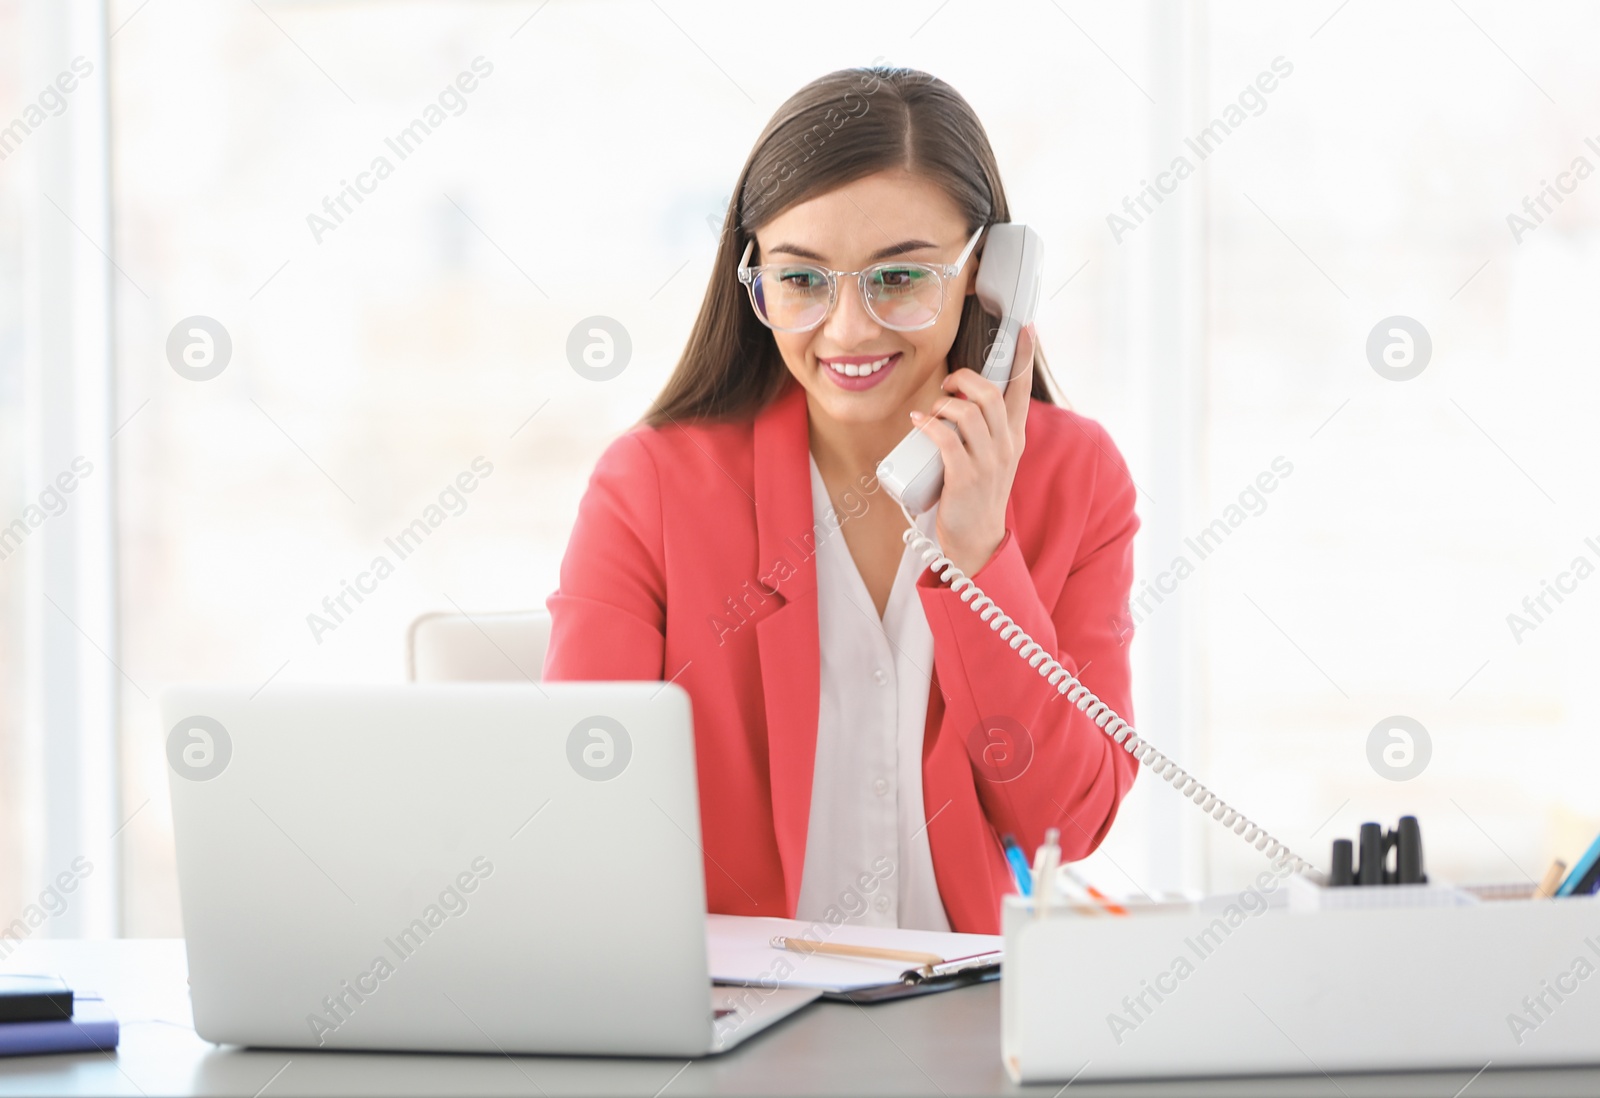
x,y
858,372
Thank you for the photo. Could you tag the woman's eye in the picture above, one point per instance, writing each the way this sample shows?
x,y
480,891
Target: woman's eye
x,y
898,278
799,280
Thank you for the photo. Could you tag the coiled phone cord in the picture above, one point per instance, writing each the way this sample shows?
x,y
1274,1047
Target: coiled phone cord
x,y
1092,707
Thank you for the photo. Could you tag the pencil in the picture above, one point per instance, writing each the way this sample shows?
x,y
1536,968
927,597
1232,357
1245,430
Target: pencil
x,y
1552,880
839,949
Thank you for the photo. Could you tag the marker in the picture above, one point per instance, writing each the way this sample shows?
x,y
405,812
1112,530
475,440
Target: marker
x,y
1020,873
1343,872
1408,853
1095,894
1370,871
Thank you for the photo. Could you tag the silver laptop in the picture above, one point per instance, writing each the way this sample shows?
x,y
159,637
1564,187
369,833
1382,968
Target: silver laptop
x,y
466,868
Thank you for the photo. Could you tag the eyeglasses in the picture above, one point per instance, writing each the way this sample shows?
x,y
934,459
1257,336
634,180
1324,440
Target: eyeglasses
x,y
796,297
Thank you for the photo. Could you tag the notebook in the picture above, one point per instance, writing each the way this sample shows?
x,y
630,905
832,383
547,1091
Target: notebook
x,y
91,1027
741,952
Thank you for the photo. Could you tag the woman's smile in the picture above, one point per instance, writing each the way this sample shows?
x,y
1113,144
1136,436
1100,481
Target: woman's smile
x,y
857,372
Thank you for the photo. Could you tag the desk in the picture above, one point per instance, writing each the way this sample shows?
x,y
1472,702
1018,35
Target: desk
x,y
947,1044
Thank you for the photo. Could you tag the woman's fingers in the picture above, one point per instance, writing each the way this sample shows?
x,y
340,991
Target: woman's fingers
x,y
971,426
983,393
979,429
988,423
950,445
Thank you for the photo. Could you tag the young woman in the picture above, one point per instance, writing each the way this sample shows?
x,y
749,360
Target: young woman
x,y
864,740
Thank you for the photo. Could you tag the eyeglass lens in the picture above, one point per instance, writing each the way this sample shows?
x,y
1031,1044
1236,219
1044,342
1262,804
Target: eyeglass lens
x,y
795,297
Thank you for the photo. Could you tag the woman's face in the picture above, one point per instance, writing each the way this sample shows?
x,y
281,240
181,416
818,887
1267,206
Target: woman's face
x,y
890,215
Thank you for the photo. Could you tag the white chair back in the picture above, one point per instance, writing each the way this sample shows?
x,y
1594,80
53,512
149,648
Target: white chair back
x,y
454,647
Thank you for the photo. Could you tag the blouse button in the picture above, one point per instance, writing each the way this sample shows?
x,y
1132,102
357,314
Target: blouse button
x,y
880,787
880,677
882,903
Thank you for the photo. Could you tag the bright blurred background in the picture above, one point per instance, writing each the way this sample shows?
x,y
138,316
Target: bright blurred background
x,y
1223,330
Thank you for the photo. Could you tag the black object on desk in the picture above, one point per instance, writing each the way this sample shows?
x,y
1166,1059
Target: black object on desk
x,y
1408,852
34,999
884,993
1373,869
1343,872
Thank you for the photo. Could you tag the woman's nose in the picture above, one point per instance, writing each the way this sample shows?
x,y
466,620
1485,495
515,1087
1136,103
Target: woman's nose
x,y
850,325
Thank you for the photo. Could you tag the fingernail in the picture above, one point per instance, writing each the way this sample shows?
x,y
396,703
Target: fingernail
x,y
916,417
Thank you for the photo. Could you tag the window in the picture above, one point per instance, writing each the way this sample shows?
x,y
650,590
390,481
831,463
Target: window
x,y
386,221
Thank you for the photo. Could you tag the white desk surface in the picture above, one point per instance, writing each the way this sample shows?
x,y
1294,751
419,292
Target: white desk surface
x,y
946,1044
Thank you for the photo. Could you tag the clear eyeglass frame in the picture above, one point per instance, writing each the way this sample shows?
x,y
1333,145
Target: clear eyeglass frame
x,y
940,271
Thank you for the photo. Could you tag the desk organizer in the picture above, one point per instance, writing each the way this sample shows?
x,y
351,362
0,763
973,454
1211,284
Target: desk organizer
x,y
1306,896
1250,987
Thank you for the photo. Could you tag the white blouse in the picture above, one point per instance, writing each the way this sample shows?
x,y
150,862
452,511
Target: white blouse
x,y
867,851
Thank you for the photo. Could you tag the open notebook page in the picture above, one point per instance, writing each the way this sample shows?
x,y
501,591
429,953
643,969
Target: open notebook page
x,y
741,952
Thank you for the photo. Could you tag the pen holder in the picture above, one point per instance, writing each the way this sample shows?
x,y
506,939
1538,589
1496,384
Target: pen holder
x,y
1251,990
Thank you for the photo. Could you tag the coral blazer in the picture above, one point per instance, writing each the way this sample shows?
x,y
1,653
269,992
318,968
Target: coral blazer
x,y
693,560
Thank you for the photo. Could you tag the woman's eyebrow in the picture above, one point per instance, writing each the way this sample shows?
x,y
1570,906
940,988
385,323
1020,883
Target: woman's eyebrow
x,y
882,253
901,248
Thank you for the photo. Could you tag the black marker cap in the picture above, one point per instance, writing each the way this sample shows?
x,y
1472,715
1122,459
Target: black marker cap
x,y
1343,873
1370,871
1409,861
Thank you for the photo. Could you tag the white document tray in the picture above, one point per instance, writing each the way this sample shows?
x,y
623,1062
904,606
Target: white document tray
x,y
1408,988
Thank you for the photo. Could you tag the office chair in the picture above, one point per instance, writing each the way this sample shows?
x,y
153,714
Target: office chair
x,y
446,646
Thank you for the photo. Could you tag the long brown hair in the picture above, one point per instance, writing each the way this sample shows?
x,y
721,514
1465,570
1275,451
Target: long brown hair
x,y
837,129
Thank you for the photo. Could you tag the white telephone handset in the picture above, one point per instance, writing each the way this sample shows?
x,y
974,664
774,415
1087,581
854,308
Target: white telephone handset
x,y
1009,276
1008,286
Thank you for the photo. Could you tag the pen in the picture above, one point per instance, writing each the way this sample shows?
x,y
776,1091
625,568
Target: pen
x,y
1020,873
1583,868
955,966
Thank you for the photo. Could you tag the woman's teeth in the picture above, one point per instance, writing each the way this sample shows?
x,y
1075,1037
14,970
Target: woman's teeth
x,y
851,369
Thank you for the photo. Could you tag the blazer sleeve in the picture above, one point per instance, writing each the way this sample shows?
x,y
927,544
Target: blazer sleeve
x,y
1038,762
608,616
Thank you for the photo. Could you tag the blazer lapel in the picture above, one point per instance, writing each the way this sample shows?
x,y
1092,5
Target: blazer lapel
x,y
787,638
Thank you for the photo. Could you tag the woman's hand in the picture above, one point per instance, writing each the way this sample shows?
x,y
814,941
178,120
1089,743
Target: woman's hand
x,y
980,462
